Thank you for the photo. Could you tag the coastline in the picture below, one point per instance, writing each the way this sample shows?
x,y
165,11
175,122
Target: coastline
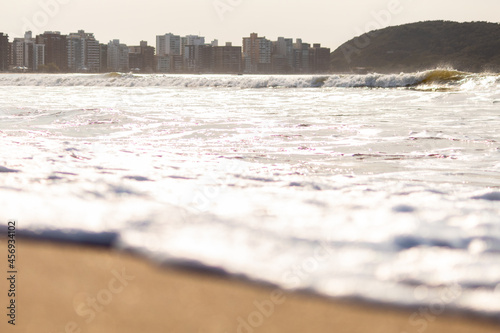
x,y
74,288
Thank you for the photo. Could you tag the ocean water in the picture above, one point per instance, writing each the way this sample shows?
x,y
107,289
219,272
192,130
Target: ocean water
x,y
380,188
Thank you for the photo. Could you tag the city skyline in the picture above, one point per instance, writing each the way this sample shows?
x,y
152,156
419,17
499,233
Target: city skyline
x,y
81,51
227,20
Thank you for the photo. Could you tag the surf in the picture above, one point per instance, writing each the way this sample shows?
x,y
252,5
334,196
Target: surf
x,y
434,79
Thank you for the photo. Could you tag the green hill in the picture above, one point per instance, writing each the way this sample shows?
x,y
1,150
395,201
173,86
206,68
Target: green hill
x,y
473,47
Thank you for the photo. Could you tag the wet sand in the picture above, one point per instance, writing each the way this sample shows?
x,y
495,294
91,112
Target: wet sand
x,y
73,288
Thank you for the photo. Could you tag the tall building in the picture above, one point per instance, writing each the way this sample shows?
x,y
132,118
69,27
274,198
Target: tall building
x,y
227,59
26,54
76,53
256,54
4,52
103,51
38,56
190,54
206,60
56,49
142,57
191,40
83,52
20,54
283,55
303,57
117,56
321,59
191,47
168,44
93,54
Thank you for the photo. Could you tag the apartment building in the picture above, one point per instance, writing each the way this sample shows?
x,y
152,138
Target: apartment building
x,y
4,52
83,52
56,49
256,54
227,59
117,56
168,44
142,58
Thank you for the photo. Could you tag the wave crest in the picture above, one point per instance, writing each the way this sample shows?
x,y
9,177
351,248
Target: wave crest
x,y
440,78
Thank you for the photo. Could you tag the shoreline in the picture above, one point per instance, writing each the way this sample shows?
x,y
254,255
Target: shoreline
x,y
65,287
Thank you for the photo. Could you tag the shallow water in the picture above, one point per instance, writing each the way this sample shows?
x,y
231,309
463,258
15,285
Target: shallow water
x,y
387,195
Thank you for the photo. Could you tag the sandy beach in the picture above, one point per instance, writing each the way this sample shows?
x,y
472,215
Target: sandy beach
x,y
71,288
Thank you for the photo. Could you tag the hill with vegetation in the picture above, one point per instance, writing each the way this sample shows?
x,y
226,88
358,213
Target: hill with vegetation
x,y
472,47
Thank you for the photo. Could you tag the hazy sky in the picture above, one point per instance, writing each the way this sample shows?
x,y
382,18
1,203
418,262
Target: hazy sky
x,y
330,22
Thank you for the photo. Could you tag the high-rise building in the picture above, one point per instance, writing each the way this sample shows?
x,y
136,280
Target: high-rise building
x,y
56,49
283,51
256,54
321,59
227,59
169,54
168,44
303,57
19,50
117,56
191,47
83,52
103,51
191,40
4,52
27,55
206,60
38,56
142,57
76,53
190,54
93,54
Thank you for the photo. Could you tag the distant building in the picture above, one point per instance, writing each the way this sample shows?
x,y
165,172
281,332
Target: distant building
x,y
191,40
302,57
56,49
93,54
20,54
83,52
206,59
103,52
190,55
142,58
117,56
227,59
4,52
321,59
38,56
256,54
176,63
283,55
26,54
168,44
190,50
163,64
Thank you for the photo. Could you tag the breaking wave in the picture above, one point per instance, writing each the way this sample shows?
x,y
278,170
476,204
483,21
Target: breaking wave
x,y
437,78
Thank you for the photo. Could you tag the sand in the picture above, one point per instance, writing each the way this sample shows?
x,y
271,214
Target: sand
x,y
71,288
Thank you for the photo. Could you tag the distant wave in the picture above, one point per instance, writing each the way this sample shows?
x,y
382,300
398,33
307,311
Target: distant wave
x,y
433,78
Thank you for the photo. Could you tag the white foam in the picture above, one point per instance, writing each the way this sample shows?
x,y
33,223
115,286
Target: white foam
x,y
237,81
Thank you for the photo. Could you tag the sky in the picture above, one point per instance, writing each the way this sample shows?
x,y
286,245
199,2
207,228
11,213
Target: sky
x,y
329,22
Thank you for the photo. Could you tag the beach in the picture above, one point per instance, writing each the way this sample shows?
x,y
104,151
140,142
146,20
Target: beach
x,y
72,288
360,189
